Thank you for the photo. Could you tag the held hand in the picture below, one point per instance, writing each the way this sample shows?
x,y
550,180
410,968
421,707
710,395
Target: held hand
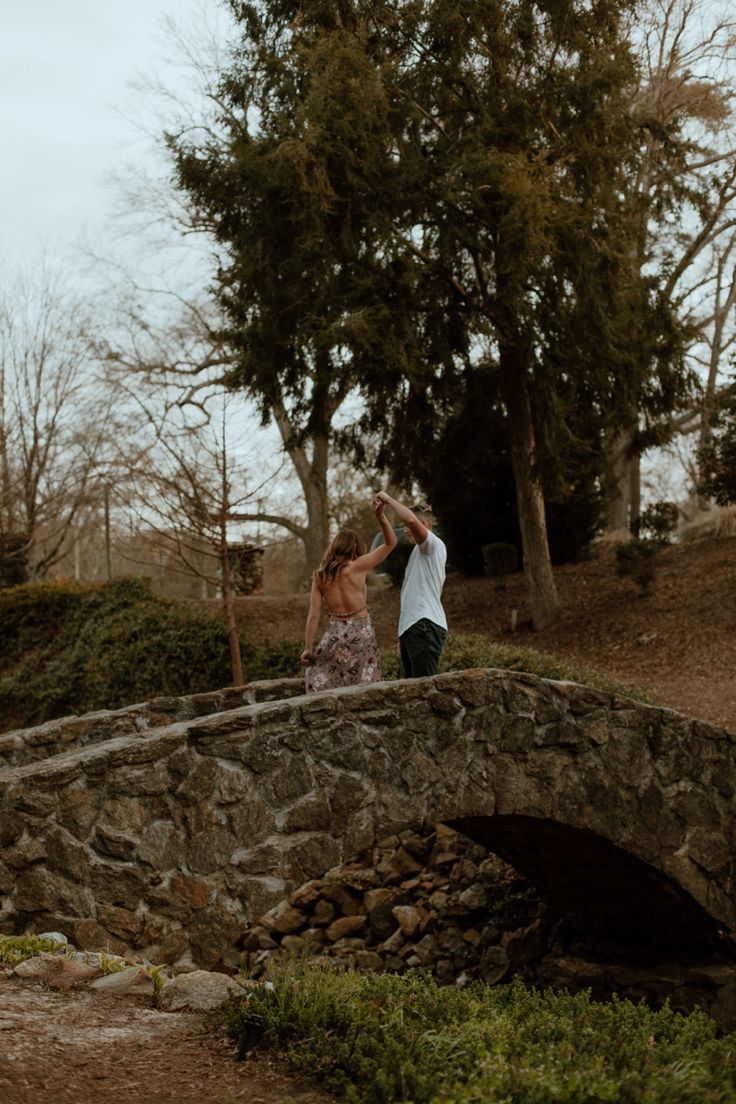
x,y
378,508
306,658
381,496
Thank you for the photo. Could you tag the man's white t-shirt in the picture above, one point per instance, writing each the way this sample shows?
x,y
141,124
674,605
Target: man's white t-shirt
x,y
423,582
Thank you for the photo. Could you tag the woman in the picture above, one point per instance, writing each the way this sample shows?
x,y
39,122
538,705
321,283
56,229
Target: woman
x,y
348,652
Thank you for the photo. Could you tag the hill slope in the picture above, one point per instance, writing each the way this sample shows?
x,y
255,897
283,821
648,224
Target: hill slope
x,y
679,640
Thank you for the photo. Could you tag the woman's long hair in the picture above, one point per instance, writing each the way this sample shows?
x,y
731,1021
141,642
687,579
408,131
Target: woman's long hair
x,y
346,546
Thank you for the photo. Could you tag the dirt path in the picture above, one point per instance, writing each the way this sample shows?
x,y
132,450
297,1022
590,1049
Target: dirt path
x,y
81,1048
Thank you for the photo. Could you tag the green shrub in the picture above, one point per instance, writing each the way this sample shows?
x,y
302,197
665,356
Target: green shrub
x,y
67,648
383,1038
277,660
653,530
658,522
635,560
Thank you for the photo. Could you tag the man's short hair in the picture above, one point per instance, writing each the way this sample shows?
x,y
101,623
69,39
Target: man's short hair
x,y
423,509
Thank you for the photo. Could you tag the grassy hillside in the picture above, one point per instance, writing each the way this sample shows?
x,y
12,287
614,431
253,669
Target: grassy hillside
x,y
66,648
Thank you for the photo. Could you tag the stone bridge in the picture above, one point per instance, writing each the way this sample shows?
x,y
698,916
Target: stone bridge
x,y
169,836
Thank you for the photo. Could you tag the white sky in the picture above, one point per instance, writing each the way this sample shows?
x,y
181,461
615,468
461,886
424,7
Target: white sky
x,y
65,110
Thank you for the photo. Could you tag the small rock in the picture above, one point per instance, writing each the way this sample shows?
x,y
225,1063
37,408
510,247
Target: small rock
x,y
474,897
394,943
315,936
374,897
368,960
408,918
348,902
324,912
58,971
200,991
307,894
346,925
438,900
283,918
426,949
398,865
135,981
250,939
54,937
347,948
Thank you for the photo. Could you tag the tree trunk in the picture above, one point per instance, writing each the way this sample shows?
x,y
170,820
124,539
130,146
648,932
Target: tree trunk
x,y
312,475
624,495
317,533
540,581
228,604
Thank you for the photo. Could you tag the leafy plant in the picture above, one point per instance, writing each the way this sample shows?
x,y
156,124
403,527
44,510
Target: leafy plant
x,y
635,560
17,948
658,522
654,529
384,1038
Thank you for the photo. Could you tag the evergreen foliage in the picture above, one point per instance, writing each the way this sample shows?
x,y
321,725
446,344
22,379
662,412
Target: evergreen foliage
x,y
434,204
718,454
381,1039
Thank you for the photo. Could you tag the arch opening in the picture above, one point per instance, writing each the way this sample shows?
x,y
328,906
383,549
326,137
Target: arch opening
x,y
611,897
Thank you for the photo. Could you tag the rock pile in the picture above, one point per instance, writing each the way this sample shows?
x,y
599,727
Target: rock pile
x,y
436,901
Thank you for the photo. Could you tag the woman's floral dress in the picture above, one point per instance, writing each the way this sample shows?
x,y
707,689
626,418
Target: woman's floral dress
x,y
347,655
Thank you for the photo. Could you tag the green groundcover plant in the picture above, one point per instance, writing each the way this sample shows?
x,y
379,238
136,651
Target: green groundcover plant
x,y
380,1039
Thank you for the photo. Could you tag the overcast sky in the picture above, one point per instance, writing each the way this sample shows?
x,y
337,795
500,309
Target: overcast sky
x,y
65,112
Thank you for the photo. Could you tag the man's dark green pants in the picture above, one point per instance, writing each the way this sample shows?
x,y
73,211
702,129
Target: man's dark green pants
x,y
421,647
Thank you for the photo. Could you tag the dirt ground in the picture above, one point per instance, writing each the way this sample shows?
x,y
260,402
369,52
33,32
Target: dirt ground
x,y
679,640
83,1048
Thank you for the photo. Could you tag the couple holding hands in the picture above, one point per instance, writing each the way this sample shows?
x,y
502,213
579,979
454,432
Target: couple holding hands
x,y
347,654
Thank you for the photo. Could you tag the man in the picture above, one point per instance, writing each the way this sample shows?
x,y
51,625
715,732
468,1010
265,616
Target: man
x,y
422,621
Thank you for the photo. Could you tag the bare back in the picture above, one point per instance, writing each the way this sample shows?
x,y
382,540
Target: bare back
x,y
346,594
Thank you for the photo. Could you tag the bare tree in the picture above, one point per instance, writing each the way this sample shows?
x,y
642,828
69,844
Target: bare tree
x,y
688,48
186,485
55,419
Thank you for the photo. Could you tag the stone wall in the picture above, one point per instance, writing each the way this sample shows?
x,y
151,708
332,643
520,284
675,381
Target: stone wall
x,y
29,745
173,840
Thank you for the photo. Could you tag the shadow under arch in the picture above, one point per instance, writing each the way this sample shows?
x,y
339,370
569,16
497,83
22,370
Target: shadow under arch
x,y
607,894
